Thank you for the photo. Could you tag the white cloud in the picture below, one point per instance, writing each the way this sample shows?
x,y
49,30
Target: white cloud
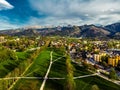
x,y
77,11
5,5
53,21
5,24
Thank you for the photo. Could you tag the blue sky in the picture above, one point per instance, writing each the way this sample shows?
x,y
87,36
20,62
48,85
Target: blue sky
x,y
21,13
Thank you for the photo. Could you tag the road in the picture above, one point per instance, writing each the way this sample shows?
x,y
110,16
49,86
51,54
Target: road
x,y
86,76
47,77
106,78
102,76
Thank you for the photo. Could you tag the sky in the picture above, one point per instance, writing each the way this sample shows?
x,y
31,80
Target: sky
x,y
22,13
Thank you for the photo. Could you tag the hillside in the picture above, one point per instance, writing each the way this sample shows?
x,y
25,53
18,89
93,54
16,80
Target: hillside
x,y
109,31
113,27
94,31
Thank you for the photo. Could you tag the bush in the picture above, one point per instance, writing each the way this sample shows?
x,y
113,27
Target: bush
x,y
95,87
113,74
70,84
7,54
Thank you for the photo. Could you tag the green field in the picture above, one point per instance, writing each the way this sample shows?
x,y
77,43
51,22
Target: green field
x,y
9,65
86,83
37,69
58,69
80,71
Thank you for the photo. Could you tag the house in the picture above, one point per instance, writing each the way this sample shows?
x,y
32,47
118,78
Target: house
x,y
2,38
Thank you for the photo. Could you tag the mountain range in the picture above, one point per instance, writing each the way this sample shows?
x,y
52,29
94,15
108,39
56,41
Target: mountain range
x,y
89,31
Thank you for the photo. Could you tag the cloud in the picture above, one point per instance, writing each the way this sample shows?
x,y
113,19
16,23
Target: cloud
x,y
53,21
5,5
5,24
77,11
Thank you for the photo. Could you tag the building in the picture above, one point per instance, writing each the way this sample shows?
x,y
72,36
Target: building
x,y
97,57
113,60
73,50
103,53
2,38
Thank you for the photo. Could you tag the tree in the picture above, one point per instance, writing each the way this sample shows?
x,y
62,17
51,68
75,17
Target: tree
x,y
95,87
118,66
70,84
13,55
105,64
7,54
105,58
85,64
113,74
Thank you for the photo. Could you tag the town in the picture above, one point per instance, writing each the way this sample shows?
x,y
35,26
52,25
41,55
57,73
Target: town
x,y
103,55
95,56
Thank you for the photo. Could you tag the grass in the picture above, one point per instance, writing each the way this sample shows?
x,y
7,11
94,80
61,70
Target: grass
x,y
40,65
9,65
83,84
79,71
37,69
86,84
23,55
28,84
55,85
58,69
